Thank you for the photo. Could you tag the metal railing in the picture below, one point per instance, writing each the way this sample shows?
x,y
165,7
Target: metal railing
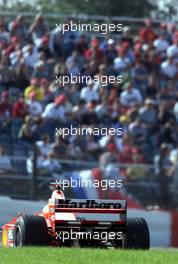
x,y
140,182
79,16
53,18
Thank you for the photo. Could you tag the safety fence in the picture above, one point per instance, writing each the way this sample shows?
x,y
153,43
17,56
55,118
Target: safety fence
x,y
140,184
55,18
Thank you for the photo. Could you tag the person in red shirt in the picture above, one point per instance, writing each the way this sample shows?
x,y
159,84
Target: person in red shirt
x,y
94,52
5,105
82,45
20,108
15,44
146,33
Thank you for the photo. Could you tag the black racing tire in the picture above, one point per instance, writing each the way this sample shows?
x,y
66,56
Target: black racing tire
x,y
30,230
137,234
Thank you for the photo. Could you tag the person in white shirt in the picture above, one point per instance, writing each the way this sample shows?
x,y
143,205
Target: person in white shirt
x,y
15,57
88,93
57,109
4,35
74,63
161,44
130,96
172,51
122,62
44,145
168,68
30,56
34,107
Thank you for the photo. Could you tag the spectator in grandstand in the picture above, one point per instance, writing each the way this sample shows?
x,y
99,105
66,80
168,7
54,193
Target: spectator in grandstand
x,y
51,164
60,148
130,96
5,105
92,147
90,67
55,43
44,145
137,172
147,34
165,171
140,77
148,113
168,67
18,28
7,74
5,162
122,63
94,52
128,150
22,73
34,106
109,163
48,95
74,63
138,131
20,109
90,117
127,35
34,87
28,131
39,28
30,55
108,47
102,71
79,110
110,156
88,93
73,92
57,109
172,50
41,70
15,57
164,29
161,44
165,114
77,147
81,44
167,133
43,46
4,35
74,152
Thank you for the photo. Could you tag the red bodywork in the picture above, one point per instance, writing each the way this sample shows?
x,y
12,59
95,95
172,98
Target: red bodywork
x,y
74,214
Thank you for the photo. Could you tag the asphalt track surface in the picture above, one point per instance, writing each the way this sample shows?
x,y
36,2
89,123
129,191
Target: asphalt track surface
x,y
10,208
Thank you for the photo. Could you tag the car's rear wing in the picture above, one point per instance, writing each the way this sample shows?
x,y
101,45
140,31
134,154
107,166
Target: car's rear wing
x,y
81,212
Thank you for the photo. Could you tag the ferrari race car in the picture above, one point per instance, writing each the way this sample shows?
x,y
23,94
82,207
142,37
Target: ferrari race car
x,y
75,222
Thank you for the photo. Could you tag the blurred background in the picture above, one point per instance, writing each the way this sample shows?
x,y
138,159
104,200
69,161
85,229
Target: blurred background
x,y
32,105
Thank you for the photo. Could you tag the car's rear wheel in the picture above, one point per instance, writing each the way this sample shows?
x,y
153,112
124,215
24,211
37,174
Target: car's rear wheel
x,y
30,230
137,234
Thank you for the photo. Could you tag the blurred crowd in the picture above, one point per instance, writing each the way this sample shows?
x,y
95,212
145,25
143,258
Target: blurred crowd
x,y
145,104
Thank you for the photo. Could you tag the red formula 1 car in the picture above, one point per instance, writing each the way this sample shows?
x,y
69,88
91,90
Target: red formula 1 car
x,y
69,222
